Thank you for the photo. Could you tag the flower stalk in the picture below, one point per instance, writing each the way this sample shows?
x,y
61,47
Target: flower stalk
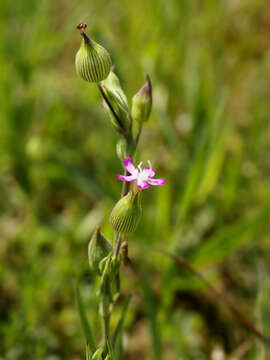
x,y
93,64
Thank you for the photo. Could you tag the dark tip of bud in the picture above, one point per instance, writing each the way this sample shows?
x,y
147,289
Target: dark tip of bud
x,y
142,102
147,87
81,26
148,80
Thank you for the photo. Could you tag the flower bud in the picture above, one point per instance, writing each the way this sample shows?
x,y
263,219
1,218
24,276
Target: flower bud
x,y
117,98
99,247
92,62
127,212
142,102
121,112
112,83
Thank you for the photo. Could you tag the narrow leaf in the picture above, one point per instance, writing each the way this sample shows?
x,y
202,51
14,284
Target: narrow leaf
x,y
230,239
151,310
83,318
119,327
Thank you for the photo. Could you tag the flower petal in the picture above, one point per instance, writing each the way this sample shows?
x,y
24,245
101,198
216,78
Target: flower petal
x,y
126,178
151,172
142,184
129,165
157,182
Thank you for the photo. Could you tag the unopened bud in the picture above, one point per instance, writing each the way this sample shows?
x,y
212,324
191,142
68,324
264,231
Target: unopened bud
x,y
142,102
92,62
127,212
99,247
112,83
118,101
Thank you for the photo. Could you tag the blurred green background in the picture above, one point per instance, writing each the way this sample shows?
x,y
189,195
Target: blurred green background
x,y
208,136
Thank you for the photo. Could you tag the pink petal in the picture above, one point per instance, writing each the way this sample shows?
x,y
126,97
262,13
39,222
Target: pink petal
x,y
151,172
142,184
126,178
157,182
129,165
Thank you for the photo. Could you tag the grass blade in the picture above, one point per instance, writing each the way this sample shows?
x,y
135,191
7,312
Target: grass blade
x,y
120,323
83,317
221,297
231,239
151,310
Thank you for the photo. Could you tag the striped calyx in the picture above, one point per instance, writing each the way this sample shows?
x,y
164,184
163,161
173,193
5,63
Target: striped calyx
x,y
92,62
118,100
127,212
99,247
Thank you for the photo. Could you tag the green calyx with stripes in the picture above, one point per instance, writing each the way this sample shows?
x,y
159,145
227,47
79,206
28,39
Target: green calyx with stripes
x,y
127,212
92,62
99,247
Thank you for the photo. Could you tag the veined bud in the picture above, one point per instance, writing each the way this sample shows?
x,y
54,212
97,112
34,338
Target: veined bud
x,y
142,102
112,83
127,212
92,62
99,247
117,98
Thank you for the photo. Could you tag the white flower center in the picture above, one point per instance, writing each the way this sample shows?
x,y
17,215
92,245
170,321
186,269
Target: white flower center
x,y
143,175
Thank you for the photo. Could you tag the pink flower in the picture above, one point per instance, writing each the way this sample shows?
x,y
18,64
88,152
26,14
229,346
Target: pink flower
x,y
142,176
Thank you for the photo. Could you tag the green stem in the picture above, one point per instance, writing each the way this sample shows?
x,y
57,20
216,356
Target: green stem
x,y
125,190
139,134
118,240
106,328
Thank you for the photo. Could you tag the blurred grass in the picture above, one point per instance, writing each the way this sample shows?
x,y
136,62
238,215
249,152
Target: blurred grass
x,y
209,136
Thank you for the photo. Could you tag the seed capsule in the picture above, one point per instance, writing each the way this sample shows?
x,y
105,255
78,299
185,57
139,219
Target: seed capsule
x,y
92,62
126,214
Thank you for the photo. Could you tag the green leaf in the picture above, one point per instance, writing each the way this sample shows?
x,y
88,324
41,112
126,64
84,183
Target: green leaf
x,y
230,239
151,310
213,167
116,340
263,309
88,352
110,355
83,317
